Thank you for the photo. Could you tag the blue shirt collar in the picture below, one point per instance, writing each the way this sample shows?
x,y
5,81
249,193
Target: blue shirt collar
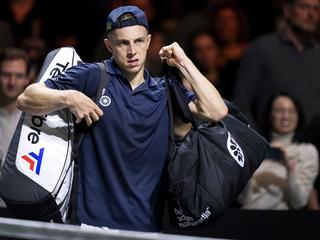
x,y
112,68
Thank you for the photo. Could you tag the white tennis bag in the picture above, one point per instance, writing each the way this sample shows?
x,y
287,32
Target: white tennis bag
x,y
37,174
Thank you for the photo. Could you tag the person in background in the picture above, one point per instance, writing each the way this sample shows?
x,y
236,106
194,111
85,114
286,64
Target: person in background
x,y
14,78
25,19
284,60
285,178
204,52
230,28
123,152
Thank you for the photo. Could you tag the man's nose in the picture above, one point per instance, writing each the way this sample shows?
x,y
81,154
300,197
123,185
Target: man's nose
x,y
12,78
131,49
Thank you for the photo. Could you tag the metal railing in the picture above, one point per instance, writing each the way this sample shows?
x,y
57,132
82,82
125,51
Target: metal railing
x,y
26,229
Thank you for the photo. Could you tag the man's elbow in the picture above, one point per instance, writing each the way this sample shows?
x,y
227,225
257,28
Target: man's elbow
x,y
220,114
215,115
23,100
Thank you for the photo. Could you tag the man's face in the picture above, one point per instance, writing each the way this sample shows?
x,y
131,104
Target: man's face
x,y
129,47
303,15
13,78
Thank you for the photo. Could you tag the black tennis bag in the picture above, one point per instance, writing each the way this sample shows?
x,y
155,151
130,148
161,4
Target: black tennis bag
x,y
211,165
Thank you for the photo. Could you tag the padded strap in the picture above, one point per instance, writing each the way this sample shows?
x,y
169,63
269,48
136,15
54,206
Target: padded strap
x,y
104,79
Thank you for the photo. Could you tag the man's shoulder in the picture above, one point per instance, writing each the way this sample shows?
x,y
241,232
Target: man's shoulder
x,y
86,66
264,45
265,40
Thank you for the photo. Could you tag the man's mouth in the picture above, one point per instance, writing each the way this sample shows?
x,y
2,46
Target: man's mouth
x,y
133,63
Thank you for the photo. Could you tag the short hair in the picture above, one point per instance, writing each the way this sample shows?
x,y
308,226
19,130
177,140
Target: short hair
x,y
11,54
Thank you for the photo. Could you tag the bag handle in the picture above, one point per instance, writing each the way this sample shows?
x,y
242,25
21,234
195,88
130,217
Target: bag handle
x,y
167,87
176,96
103,81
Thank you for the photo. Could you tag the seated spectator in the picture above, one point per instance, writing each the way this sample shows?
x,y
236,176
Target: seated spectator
x,y
285,178
204,52
230,28
25,18
14,70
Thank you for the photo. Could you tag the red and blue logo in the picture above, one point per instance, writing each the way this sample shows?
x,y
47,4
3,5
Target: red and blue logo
x,y
34,160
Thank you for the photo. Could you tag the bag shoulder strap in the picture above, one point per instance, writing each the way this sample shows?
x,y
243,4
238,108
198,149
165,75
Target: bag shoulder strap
x,y
103,81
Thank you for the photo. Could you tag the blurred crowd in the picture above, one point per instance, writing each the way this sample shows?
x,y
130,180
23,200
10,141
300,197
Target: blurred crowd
x,y
263,55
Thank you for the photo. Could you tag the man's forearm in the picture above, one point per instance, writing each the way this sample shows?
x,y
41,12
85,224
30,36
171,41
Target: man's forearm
x,y
38,99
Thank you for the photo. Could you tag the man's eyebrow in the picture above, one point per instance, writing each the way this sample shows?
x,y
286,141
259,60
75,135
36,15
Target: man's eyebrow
x,y
137,38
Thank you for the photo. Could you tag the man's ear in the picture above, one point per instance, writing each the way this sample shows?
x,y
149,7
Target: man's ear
x,y
107,43
148,40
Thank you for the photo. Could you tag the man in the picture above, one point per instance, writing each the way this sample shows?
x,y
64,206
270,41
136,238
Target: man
x,y
286,60
123,154
14,69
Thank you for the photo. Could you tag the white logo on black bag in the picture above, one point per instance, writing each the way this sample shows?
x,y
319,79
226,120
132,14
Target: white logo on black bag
x,y
105,100
235,150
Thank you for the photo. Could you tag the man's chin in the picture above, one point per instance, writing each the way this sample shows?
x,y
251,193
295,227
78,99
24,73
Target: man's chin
x,y
307,30
133,69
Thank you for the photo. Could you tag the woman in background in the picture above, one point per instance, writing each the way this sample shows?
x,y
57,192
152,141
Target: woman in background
x,y
285,178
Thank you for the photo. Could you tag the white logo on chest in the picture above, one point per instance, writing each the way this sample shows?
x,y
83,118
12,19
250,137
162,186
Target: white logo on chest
x,y
104,101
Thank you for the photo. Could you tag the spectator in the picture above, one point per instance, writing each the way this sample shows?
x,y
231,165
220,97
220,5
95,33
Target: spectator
x,y
287,59
230,29
285,178
25,19
14,69
204,52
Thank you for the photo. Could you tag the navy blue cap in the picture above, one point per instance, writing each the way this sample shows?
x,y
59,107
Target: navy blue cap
x,y
139,18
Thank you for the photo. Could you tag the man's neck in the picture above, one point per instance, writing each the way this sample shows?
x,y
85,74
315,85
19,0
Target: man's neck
x,y
136,79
